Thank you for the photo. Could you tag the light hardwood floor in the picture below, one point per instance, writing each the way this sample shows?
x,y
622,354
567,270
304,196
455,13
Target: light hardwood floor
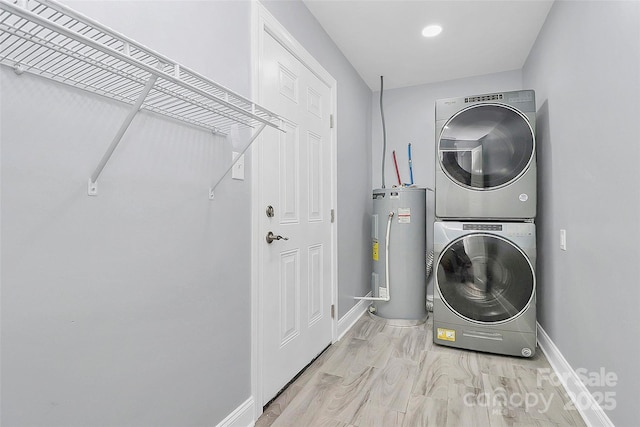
x,y
384,375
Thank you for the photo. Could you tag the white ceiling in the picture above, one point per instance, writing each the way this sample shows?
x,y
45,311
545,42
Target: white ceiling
x,y
383,37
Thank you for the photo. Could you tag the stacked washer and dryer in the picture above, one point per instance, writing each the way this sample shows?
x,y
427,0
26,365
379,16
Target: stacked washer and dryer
x,y
484,233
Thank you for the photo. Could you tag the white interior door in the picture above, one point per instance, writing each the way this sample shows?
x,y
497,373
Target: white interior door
x,y
296,180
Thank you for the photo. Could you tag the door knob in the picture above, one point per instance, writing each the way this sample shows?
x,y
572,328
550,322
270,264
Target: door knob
x,y
271,237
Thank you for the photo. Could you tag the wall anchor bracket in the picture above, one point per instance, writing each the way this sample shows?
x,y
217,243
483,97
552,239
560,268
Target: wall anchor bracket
x,y
18,68
92,188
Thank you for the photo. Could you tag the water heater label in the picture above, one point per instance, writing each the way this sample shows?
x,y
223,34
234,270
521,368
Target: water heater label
x,y
375,251
382,292
404,215
446,334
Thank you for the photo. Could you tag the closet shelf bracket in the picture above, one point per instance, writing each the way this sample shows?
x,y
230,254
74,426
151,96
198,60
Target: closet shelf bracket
x,y
233,163
93,186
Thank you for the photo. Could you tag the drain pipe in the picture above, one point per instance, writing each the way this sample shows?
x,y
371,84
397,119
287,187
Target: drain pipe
x,y
429,271
384,130
387,297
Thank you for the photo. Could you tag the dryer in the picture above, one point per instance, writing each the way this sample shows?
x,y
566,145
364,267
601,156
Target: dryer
x,y
485,286
486,156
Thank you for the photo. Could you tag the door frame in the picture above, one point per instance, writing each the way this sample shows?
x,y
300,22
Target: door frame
x,y
263,21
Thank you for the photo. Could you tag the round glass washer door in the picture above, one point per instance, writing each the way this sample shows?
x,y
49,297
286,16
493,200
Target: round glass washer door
x,y
486,146
484,278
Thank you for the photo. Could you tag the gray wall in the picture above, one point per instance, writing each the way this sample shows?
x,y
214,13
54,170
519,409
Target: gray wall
x,y
133,307
130,308
354,150
586,72
409,116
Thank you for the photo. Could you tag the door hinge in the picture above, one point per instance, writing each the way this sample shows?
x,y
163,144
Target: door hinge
x,y
331,121
333,215
333,311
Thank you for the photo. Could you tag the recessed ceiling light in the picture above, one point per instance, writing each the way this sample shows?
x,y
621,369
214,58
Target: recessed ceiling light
x,y
431,30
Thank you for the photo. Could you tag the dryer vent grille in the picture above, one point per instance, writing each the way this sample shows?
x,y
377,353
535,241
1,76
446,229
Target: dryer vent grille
x,y
483,98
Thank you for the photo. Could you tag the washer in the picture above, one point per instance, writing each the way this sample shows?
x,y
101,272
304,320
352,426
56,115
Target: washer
x,y
485,286
486,156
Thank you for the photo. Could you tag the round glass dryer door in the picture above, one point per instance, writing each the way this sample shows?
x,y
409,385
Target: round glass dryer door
x,y
484,278
486,146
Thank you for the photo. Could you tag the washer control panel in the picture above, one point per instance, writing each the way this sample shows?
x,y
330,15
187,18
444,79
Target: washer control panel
x,y
482,227
506,229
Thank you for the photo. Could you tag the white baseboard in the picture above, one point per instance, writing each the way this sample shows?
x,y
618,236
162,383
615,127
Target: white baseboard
x,y
591,412
348,320
242,416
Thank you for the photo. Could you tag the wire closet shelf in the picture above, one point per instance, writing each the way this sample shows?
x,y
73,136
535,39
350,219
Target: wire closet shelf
x,y
51,40
48,39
